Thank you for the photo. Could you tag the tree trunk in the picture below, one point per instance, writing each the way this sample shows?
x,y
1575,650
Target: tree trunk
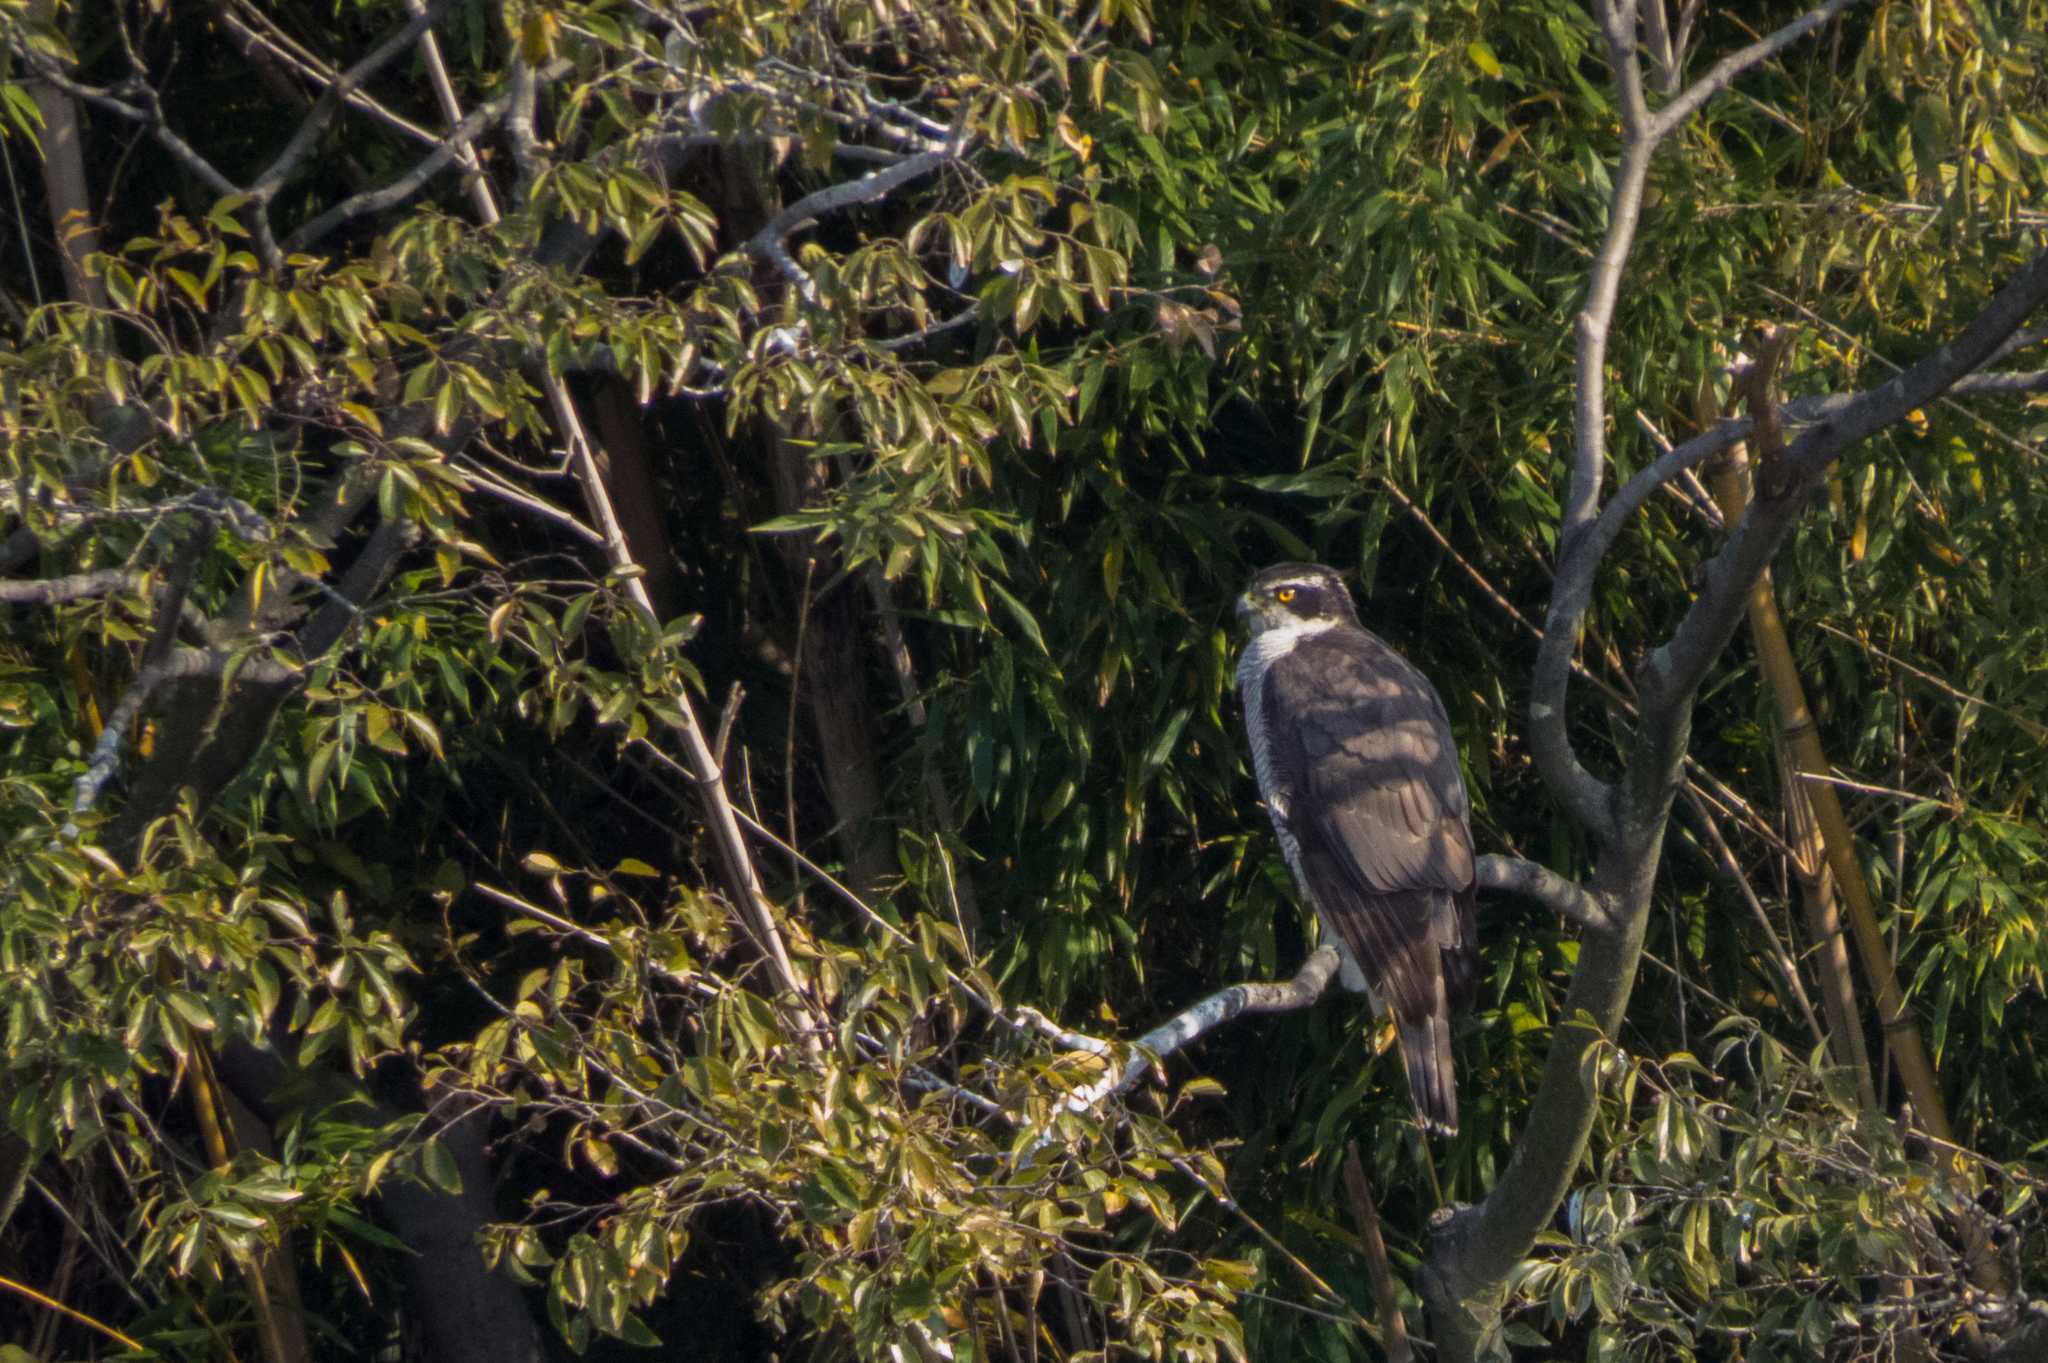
x,y
831,676
623,461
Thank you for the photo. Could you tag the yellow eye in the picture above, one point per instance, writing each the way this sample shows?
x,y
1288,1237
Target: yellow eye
x,y
1284,595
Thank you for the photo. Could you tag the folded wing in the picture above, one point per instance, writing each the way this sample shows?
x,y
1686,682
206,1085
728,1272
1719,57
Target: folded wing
x,y
1379,817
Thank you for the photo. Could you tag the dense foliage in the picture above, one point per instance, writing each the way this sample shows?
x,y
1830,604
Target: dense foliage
x,y
901,394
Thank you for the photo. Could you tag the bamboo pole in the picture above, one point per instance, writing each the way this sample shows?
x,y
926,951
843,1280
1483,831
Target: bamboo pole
x,y
1809,760
1809,792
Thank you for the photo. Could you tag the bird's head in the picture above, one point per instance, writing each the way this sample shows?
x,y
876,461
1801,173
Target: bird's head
x,y
1295,594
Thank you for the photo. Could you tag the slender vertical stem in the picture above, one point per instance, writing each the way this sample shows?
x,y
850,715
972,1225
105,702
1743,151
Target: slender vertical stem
x,y
743,882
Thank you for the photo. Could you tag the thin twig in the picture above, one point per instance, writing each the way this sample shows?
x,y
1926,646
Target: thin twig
x,y
1377,1266
307,135
405,186
1780,957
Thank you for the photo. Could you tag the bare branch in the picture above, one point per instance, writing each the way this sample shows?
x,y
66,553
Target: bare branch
x,y
1693,495
743,881
2018,341
1474,1250
452,148
451,109
519,126
1617,20
481,480
56,591
176,664
1674,671
2035,730
307,135
1780,958
1638,490
1588,798
1566,898
771,242
345,601
1665,56
1378,1269
2034,382
1724,73
1283,996
967,316
257,45
46,69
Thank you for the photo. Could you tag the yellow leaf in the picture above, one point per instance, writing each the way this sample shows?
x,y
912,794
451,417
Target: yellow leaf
x,y
537,38
2031,134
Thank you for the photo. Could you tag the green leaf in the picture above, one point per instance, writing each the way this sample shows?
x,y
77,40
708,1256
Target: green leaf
x,y
438,1167
1021,615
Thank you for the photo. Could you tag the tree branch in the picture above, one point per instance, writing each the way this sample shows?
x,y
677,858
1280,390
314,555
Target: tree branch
x,y
1381,1273
1281,996
1566,898
257,46
451,109
2035,381
1724,73
1588,798
55,591
1674,671
307,135
46,69
178,663
1644,483
2020,340
453,147
770,243
1475,1250
743,881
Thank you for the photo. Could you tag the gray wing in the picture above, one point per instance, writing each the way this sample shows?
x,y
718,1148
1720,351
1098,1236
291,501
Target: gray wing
x,y
1379,815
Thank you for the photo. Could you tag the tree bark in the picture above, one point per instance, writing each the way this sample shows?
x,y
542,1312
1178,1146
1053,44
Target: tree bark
x,y
467,1312
627,467
831,673
65,189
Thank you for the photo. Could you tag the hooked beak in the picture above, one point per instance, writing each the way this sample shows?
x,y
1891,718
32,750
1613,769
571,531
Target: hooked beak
x,y
1245,606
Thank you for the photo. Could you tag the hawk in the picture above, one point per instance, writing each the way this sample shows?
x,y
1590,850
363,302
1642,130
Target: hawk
x,y
1356,763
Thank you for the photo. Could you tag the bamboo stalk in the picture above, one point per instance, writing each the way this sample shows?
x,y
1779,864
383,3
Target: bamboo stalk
x,y
1809,760
1808,790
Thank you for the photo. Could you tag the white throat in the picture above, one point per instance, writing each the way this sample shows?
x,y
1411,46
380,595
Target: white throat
x,y
1274,641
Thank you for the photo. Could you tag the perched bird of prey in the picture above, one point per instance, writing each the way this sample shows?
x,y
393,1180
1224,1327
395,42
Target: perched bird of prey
x,y
1356,763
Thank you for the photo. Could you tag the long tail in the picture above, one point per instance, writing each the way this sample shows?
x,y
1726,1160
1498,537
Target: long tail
x,y
1426,1055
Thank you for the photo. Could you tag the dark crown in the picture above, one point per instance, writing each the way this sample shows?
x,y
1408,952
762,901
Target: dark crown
x,y
1307,591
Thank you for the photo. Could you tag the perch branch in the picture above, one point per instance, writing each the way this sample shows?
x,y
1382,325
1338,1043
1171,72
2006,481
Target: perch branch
x,y
1185,1027
1565,898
